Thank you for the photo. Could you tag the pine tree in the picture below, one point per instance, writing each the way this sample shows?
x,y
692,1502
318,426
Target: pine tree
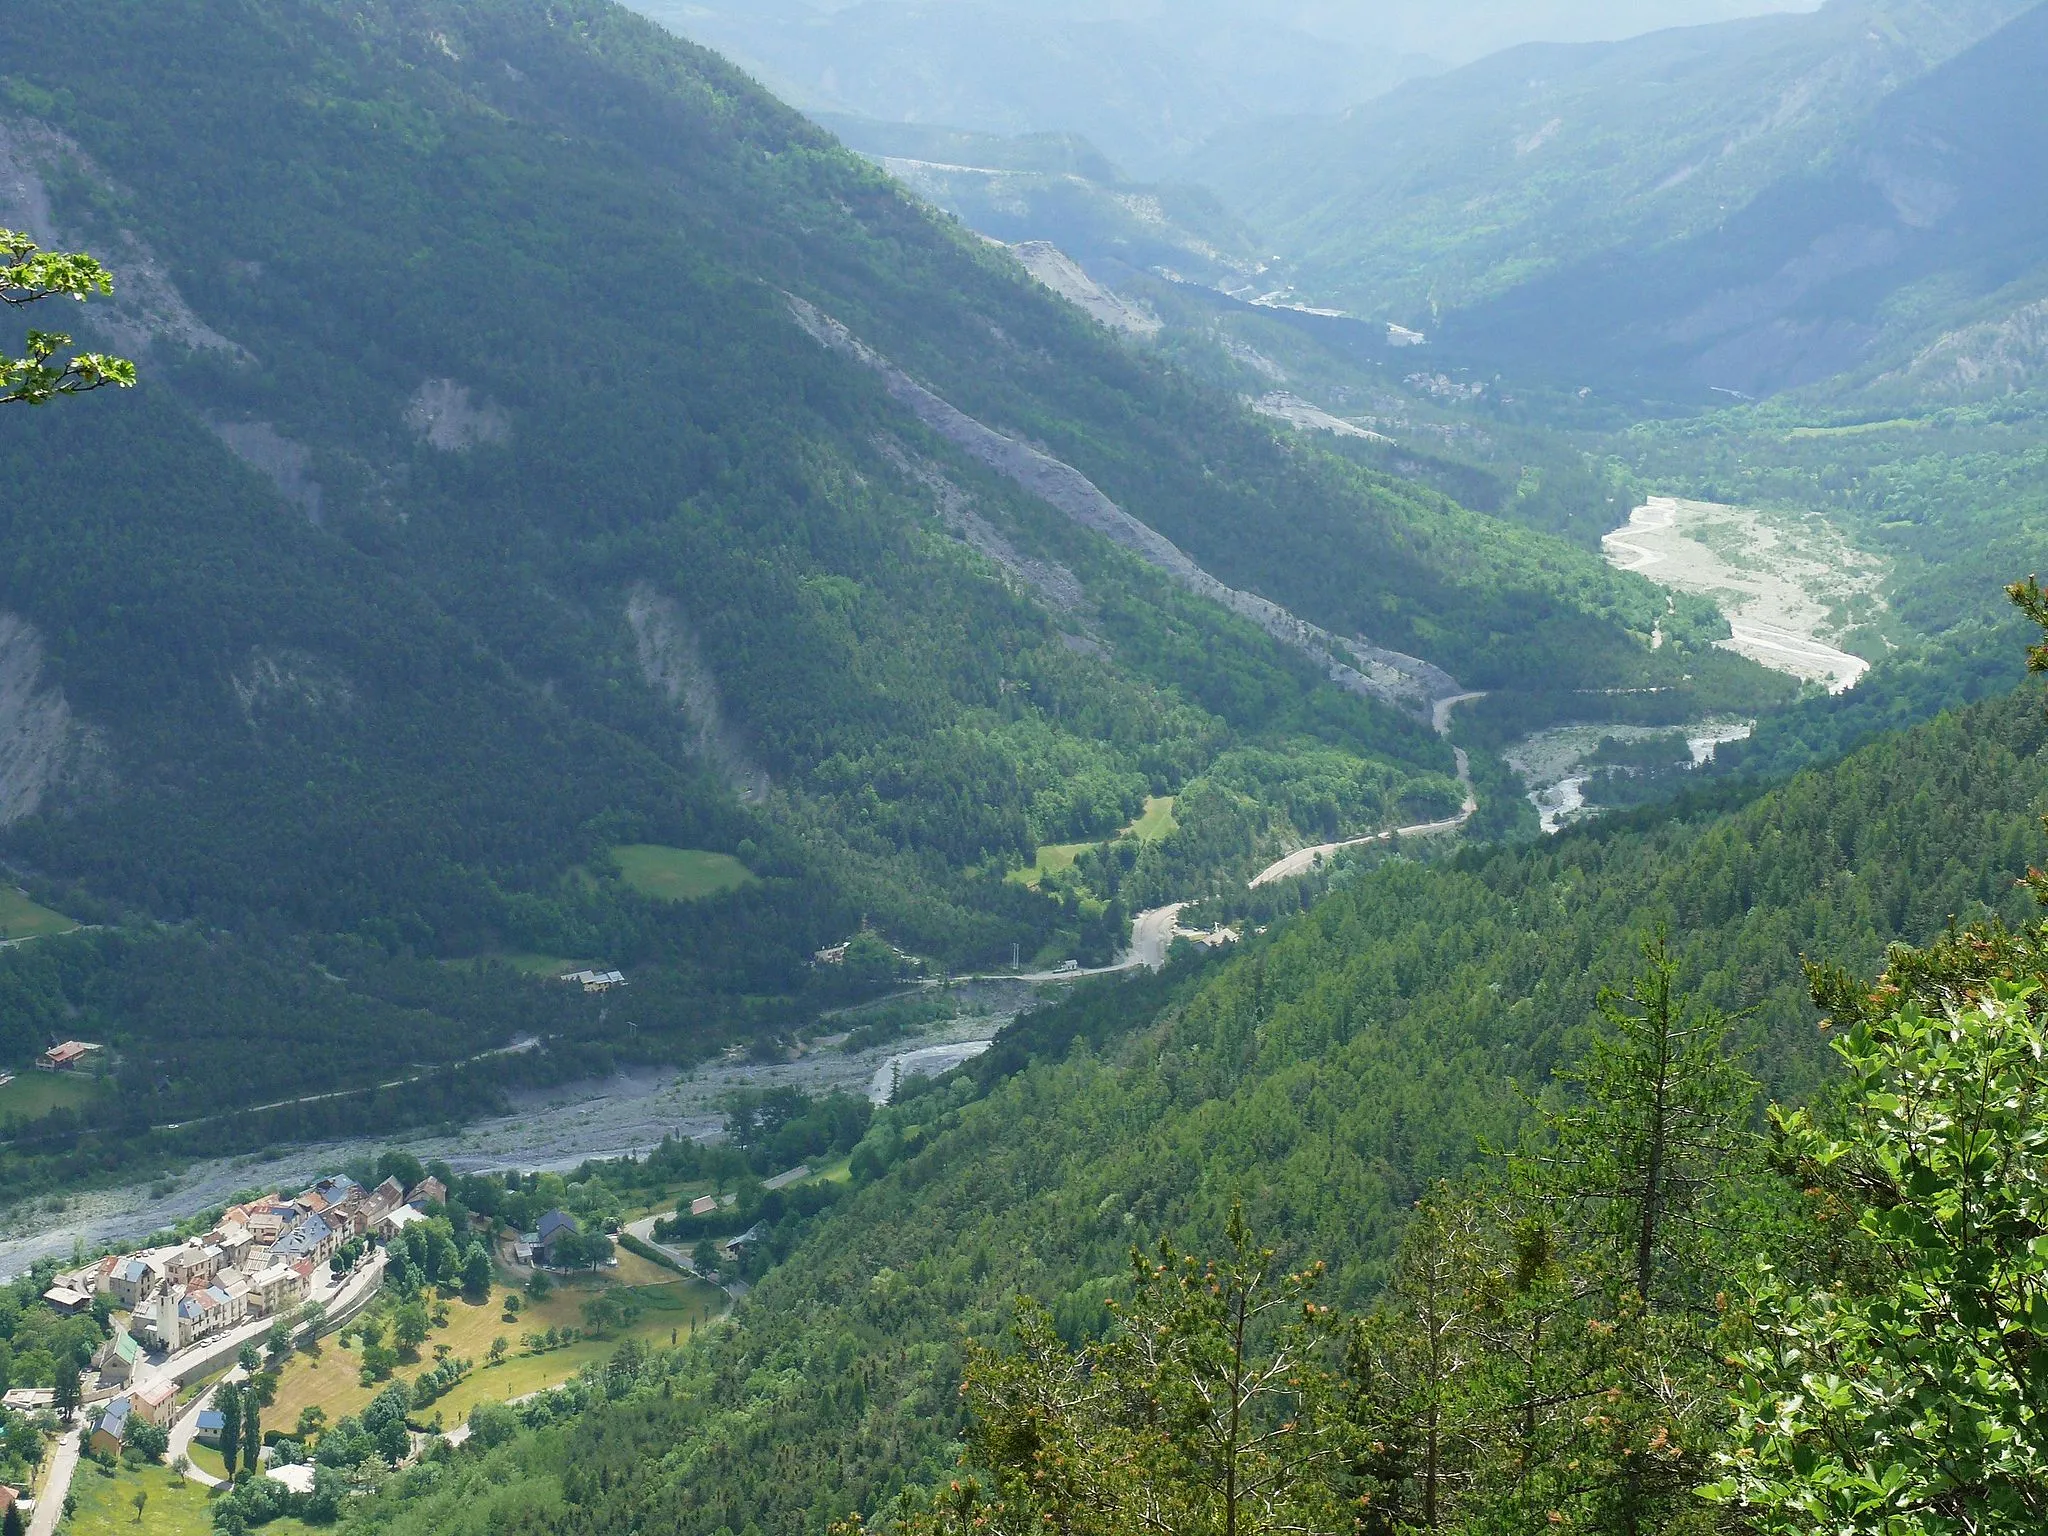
x,y
1661,1126
1220,1404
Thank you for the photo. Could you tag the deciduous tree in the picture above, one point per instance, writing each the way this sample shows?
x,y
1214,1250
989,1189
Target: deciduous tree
x,y
46,368
1913,1406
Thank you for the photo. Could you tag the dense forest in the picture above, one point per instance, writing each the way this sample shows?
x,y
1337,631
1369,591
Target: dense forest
x,y
1325,1079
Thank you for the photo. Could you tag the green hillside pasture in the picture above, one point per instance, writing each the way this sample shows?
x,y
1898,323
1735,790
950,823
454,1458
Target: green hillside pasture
x,y
1157,823
1052,859
34,1094
106,1505
1154,825
21,918
680,874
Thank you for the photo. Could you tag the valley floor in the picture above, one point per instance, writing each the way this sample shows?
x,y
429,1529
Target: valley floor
x,y
1792,587
555,1130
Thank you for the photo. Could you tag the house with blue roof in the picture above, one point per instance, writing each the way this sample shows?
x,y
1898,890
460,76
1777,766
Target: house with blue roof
x,y
553,1227
209,1427
110,1434
311,1239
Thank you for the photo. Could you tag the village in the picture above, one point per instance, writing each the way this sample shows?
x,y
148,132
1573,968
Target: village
x,y
269,1294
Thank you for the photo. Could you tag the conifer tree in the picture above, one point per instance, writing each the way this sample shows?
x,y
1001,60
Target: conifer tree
x,y
252,1430
227,1402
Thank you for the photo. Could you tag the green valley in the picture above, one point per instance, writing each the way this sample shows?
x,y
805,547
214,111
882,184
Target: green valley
x,y
348,668
905,834
1325,1078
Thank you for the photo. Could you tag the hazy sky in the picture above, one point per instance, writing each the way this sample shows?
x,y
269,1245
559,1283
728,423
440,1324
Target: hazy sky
x,y
1147,81
1455,31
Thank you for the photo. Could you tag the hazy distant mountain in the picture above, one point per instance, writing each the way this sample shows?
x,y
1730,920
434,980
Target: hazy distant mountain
x,y
1914,259
1060,188
1147,80
1454,190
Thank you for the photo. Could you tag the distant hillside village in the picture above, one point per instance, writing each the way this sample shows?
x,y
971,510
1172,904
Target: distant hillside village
x,y
117,1347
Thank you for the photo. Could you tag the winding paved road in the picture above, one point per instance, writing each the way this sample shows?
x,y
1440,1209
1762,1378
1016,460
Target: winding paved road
x,y
50,1506
187,1429
1302,860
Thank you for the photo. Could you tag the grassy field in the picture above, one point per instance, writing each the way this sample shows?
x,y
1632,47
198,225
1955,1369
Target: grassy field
x,y
330,1379
838,1171
35,1093
679,874
1051,860
675,1308
1854,429
528,963
21,918
207,1459
1156,822
106,1505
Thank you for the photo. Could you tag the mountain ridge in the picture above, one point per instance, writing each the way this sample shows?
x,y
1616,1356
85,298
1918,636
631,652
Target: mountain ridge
x,y
1452,191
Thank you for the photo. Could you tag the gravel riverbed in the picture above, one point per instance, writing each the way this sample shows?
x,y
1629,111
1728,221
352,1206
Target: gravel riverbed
x,y
555,1129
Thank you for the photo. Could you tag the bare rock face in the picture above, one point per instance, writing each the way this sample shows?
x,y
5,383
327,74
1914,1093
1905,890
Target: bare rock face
x,y
146,306
262,447
1047,580
276,676
673,663
1350,661
445,415
1995,357
1058,271
41,745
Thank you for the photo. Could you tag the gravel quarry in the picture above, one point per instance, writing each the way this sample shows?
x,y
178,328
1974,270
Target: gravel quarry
x,y
1791,586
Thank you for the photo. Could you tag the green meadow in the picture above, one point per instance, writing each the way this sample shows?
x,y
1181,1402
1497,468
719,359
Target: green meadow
x,y
679,874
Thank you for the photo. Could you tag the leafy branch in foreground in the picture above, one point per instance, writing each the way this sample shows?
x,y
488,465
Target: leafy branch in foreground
x,y
1917,1405
41,372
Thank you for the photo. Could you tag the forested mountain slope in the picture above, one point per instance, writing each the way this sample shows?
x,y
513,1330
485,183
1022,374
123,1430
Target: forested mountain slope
x,y
1454,190
488,506
1324,1077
